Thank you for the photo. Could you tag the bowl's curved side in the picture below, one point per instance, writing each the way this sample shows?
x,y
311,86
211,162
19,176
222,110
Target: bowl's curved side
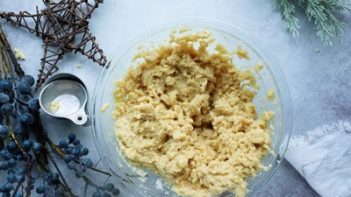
x,y
102,123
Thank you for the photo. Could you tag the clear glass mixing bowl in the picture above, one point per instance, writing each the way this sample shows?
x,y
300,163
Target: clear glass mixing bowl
x,y
138,183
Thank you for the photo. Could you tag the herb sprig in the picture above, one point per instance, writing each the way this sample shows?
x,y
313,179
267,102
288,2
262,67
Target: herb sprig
x,y
322,13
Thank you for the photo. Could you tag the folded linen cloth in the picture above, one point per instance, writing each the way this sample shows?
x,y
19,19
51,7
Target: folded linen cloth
x,y
323,158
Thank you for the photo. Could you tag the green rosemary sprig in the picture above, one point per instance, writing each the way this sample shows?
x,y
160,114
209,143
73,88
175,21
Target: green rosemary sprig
x,y
322,13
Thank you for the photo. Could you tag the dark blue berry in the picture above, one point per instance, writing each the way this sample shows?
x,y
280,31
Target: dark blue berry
x,y
12,163
11,178
115,192
20,178
85,151
77,151
20,157
37,147
97,194
3,165
76,142
6,194
55,177
4,130
107,194
19,194
69,150
26,118
7,109
89,163
71,165
4,98
40,189
109,187
27,144
8,187
11,145
5,85
68,158
11,171
21,171
33,104
24,88
6,155
71,137
28,79
63,144
79,174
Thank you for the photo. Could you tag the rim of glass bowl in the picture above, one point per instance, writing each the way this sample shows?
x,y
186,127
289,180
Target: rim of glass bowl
x,y
271,65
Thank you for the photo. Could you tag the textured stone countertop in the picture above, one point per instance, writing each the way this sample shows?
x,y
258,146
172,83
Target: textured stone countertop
x,y
318,77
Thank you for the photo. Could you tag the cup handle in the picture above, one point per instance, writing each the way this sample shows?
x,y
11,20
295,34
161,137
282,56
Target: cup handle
x,y
79,118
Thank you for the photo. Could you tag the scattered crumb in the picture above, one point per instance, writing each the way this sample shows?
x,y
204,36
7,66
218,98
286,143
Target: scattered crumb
x,y
258,67
271,94
104,107
19,55
242,53
317,50
78,65
184,29
54,106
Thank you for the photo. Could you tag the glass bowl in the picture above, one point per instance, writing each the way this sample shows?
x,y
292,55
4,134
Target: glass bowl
x,y
138,182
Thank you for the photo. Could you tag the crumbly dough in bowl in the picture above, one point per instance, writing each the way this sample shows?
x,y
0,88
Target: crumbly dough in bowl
x,y
187,113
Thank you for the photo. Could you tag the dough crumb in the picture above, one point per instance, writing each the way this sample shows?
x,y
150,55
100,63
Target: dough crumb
x,y
258,67
54,106
188,115
19,55
104,107
271,94
242,53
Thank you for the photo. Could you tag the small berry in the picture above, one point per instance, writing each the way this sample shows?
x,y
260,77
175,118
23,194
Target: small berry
x,y
4,130
4,98
7,109
68,158
11,171
71,165
12,163
85,151
6,194
79,174
33,104
77,151
27,144
8,187
115,192
76,142
26,118
63,144
11,178
24,88
40,189
28,79
89,163
97,194
37,147
69,150
107,194
71,137
109,187
21,171
3,165
5,85
11,145
18,194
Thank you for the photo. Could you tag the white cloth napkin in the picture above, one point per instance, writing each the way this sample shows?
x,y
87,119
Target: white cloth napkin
x,y
323,158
